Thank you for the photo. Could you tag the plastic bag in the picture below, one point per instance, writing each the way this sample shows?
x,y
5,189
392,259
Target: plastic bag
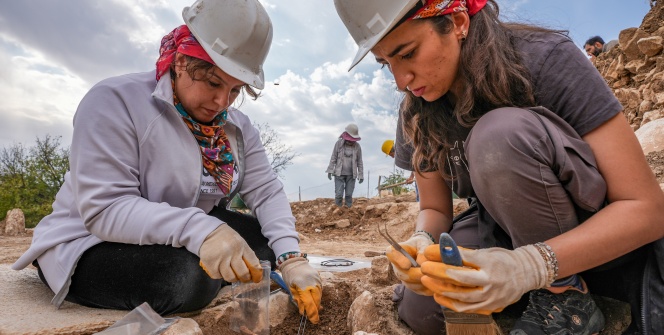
x,y
250,305
142,320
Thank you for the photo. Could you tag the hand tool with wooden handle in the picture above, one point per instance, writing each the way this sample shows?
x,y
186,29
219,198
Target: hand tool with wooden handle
x,y
457,323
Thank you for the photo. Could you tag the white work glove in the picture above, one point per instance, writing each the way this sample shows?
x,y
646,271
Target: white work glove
x,y
305,285
410,276
225,254
490,279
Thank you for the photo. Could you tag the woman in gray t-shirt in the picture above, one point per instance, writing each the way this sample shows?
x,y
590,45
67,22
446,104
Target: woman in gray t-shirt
x,y
517,120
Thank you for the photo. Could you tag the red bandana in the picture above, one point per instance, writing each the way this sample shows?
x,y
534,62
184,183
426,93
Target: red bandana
x,y
443,7
179,40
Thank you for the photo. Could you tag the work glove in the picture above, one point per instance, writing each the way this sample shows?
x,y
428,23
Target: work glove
x,y
361,180
329,176
410,276
225,254
490,279
305,285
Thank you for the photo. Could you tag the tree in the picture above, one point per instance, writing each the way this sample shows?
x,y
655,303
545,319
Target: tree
x,y
280,156
31,177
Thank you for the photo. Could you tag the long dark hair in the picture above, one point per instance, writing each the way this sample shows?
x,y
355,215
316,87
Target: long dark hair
x,y
492,76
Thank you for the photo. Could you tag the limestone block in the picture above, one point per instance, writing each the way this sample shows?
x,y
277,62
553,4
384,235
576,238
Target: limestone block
x,y
625,36
342,223
26,308
362,313
327,224
634,65
652,116
14,222
645,106
628,97
632,49
381,272
611,71
651,136
650,46
280,308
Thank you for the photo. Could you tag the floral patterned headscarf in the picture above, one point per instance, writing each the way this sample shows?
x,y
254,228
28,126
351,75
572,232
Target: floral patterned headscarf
x,y
443,7
179,40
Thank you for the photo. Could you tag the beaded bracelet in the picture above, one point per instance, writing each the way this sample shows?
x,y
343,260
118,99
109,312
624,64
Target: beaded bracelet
x,y
550,259
288,255
424,232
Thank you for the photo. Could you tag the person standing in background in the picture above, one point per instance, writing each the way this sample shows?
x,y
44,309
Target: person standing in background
x,y
346,165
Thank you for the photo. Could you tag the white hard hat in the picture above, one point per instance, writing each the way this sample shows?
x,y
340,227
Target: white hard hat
x,y
369,21
236,34
352,130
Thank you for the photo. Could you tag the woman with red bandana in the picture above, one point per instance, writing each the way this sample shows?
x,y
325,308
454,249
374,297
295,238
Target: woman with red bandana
x,y
514,118
155,160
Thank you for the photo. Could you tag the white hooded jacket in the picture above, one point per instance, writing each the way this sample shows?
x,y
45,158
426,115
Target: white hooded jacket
x,y
135,176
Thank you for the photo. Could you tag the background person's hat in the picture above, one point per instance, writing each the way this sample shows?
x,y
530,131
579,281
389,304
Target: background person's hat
x,y
352,130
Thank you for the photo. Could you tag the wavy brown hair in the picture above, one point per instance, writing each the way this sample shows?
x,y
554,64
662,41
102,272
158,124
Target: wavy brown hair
x,y
491,74
199,69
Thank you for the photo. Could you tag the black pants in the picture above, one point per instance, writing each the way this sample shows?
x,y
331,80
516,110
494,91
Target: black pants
x,y
123,276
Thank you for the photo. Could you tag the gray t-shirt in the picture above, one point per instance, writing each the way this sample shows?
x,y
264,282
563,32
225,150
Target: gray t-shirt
x,y
564,81
347,160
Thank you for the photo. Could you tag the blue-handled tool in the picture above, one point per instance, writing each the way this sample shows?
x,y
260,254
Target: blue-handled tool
x,y
449,251
276,277
457,323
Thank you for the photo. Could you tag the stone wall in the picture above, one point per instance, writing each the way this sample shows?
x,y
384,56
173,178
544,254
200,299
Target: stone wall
x,y
634,69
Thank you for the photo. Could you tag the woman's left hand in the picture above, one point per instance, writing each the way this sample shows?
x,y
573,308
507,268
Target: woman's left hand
x,y
305,285
490,279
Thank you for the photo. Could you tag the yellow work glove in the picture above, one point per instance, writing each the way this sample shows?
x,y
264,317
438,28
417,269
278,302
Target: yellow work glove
x,y
410,276
305,285
490,279
225,254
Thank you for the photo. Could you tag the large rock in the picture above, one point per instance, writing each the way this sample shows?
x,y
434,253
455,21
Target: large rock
x,y
650,46
26,308
381,272
14,222
362,313
651,136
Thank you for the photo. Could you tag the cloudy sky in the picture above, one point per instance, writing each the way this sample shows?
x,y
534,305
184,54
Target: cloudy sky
x,y
53,51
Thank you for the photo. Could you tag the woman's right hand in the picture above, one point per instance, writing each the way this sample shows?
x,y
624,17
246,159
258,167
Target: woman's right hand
x,y
225,254
411,276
